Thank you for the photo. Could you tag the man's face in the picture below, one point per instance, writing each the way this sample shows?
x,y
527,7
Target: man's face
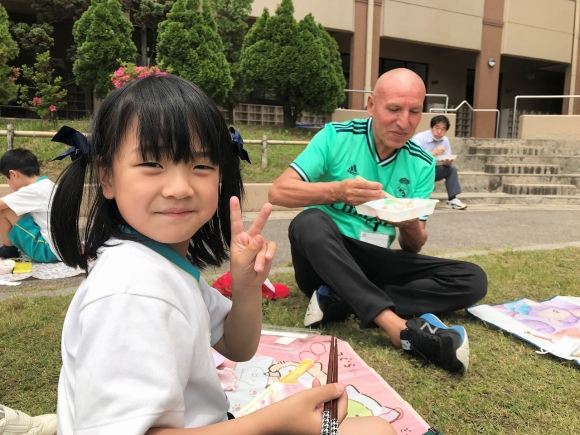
x,y
439,130
396,112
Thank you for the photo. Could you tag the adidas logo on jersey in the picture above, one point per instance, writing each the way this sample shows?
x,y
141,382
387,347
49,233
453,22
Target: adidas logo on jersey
x,y
352,170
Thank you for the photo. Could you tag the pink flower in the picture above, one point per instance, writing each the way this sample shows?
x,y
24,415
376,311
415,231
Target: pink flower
x,y
58,95
36,101
52,108
119,72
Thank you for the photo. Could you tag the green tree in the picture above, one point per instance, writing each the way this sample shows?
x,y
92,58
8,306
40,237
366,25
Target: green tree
x,y
188,45
231,20
33,38
147,14
8,51
103,38
37,38
298,62
48,94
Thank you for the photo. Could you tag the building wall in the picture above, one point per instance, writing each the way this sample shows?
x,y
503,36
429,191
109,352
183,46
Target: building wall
x,y
447,67
332,14
452,23
539,29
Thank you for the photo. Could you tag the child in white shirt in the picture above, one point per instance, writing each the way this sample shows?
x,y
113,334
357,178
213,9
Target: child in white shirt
x,y
25,214
137,338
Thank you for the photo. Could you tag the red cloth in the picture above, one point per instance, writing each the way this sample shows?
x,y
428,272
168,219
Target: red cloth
x,y
224,285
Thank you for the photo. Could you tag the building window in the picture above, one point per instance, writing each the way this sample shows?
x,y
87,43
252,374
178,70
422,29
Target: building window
x,y
388,64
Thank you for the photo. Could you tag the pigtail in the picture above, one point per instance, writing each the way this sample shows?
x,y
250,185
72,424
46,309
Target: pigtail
x,y
66,211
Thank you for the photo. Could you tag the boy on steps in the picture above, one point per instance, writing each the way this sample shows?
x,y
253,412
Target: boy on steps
x,y
25,213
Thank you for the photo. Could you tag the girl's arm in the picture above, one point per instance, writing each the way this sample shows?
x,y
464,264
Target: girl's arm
x,y
250,262
300,413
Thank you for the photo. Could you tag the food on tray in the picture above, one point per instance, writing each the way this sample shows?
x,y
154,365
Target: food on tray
x,y
446,157
402,210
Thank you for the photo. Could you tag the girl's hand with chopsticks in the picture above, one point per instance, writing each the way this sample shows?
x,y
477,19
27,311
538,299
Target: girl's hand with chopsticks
x,y
356,192
301,413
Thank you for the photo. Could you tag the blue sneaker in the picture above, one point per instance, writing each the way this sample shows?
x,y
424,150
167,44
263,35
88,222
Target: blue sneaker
x,y
429,338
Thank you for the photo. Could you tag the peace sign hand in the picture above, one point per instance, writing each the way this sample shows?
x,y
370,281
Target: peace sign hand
x,y
250,255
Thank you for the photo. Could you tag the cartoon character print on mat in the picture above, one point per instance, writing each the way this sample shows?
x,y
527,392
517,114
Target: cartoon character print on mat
x,y
552,317
360,405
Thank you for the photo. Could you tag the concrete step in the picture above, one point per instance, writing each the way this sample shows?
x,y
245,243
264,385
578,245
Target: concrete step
x,y
506,150
497,168
539,189
477,162
471,198
484,182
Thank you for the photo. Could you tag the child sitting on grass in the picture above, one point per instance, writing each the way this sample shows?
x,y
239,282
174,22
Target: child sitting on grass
x,y
25,214
137,337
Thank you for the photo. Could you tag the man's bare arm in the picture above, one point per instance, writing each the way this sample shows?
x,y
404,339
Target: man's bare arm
x,y
412,235
289,190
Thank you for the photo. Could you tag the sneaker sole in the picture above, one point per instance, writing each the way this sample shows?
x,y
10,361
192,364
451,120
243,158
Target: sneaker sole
x,y
313,314
455,207
462,352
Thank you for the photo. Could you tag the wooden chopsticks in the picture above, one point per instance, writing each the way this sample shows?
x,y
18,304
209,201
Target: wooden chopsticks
x,y
330,414
387,194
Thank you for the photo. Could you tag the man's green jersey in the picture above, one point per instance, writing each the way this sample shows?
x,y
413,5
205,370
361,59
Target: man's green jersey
x,y
345,150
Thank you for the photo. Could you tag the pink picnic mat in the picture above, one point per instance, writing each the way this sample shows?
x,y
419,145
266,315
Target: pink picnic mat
x,y
368,393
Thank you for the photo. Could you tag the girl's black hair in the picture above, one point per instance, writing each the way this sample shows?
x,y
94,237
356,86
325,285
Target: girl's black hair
x,y
172,116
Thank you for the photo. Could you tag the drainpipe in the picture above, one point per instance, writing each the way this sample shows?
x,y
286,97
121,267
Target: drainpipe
x,y
574,66
369,51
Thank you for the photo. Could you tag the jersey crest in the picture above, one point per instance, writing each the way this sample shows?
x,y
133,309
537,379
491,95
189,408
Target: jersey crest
x,y
403,188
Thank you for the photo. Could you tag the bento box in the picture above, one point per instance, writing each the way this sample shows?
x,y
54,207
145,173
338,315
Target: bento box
x,y
402,210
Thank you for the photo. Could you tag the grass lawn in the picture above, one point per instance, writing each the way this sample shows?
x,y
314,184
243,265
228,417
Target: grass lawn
x,y
279,156
508,389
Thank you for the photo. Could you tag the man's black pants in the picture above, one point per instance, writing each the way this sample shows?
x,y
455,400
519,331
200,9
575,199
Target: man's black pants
x,y
370,279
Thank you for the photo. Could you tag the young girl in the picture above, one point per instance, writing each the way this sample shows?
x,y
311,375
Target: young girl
x,y
165,196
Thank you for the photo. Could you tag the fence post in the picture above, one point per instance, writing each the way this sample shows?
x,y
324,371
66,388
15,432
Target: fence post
x,y
264,151
9,137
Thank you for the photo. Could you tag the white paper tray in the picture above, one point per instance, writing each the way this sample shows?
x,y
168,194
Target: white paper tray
x,y
385,209
446,157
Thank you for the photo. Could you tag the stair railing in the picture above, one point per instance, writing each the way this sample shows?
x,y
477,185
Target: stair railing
x,y
533,96
464,102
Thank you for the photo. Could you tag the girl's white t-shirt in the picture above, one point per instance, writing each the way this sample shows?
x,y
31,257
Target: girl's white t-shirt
x,y
136,347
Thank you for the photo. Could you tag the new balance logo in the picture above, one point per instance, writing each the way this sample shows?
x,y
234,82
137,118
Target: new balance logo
x,y
352,170
432,329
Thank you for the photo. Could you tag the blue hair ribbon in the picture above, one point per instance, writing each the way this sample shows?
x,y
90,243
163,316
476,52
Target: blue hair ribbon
x,y
238,143
77,142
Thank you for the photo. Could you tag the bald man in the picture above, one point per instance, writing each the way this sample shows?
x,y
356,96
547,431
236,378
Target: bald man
x,y
343,261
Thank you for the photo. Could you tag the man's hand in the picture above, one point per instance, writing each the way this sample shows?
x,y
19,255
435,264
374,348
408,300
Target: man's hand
x,y
357,192
439,151
447,162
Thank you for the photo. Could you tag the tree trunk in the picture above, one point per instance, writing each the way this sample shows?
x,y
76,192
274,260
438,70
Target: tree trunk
x,y
144,45
231,115
290,116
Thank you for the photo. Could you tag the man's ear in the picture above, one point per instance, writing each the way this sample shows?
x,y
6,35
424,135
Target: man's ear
x,y
13,174
370,104
106,183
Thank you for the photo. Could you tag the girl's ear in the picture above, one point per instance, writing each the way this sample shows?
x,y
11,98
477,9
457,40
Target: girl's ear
x,y
106,183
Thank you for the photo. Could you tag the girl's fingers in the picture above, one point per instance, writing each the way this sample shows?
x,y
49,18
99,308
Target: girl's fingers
x,y
260,221
249,254
264,257
236,222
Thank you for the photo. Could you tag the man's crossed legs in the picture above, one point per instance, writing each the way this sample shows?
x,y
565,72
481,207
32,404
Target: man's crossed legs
x,y
383,286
